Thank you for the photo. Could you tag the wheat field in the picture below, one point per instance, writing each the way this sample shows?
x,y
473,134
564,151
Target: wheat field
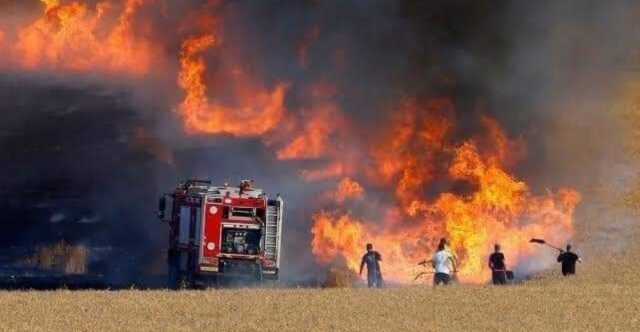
x,y
605,295
551,303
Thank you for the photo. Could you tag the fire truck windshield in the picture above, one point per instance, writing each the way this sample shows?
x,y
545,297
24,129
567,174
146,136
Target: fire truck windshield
x,y
240,241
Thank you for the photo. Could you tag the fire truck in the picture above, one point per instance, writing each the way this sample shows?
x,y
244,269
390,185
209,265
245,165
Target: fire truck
x,y
221,232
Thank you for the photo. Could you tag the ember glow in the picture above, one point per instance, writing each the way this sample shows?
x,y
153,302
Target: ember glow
x,y
401,182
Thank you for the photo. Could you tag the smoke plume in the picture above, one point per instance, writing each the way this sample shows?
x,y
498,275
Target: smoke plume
x,y
393,122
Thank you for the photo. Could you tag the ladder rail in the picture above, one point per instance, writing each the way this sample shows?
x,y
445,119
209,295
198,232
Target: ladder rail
x,y
272,237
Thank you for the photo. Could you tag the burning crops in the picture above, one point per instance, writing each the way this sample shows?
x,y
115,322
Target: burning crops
x,y
80,37
492,207
417,167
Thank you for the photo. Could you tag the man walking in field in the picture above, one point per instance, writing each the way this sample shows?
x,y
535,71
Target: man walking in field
x,y
372,259
444,264
568,260
497,266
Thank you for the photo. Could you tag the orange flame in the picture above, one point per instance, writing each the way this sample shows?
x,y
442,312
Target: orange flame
x,y
260,110
414,144
493,207
336,236
72,37
437,185
333,170
313,141
348,189
2,40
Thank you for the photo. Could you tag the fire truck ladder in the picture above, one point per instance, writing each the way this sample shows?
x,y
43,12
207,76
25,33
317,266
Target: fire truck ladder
x,y
273,229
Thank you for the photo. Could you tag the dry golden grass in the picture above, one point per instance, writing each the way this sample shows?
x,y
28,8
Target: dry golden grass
x,y
61,257
553,303
605,295
340,277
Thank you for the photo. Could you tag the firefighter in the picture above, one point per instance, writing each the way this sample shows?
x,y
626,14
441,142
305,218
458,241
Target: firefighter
x,y
372,259
568,260
497,266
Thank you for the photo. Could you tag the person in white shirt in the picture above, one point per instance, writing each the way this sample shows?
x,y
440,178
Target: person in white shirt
x,y
444,264
448,249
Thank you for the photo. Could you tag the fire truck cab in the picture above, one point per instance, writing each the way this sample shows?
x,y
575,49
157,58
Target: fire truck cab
x,y
221,231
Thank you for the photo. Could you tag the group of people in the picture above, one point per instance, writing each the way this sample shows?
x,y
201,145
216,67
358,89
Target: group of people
x,y
444,263
500,274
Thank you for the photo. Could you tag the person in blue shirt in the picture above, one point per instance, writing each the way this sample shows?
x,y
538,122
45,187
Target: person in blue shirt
x,y
372,260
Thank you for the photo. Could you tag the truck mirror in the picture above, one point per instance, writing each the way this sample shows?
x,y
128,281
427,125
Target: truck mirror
x,y
162,206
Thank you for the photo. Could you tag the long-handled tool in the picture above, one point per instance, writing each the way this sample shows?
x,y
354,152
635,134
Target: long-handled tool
x,y
423,273
541,241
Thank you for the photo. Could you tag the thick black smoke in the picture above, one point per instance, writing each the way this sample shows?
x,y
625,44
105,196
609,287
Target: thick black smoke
x,y
85,162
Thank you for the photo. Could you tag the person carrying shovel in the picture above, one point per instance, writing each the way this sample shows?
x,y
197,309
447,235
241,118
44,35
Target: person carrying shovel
x,y
568,260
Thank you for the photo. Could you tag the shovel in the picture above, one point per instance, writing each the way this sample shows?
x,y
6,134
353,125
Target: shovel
x,y
541,241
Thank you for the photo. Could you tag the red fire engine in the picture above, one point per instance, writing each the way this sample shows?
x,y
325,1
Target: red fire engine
x,y
221,231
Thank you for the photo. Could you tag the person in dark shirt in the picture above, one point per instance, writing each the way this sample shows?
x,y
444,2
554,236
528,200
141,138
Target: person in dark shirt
x,y
497,266
372,259
568,260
